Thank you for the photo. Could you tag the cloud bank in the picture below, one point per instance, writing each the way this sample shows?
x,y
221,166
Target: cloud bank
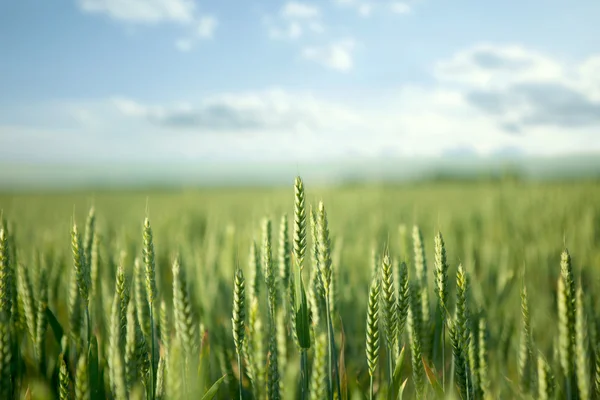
x,y
523,89
196,25
484,100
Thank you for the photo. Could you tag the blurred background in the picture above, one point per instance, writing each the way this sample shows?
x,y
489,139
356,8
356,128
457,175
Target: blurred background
x,y
193,93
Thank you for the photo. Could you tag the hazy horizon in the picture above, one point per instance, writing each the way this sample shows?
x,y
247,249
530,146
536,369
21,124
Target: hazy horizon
x,y
248,173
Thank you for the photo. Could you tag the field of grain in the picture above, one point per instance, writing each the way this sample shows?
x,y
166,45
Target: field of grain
x,y
433,290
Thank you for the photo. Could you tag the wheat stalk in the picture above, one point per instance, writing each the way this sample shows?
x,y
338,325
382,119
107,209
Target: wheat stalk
x,y
372,346
238,320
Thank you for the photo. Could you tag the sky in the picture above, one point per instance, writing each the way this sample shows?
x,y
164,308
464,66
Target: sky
x,y
164,81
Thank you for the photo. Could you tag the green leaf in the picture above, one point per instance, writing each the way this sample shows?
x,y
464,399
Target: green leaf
x,y
93,368
361,388
55,325
212,392
402,387
204,364
342,364
433,381
395,393
302,321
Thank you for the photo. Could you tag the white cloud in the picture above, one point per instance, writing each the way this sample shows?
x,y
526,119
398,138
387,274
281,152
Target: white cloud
x,y
292,31
295,30
399,7
294,21
142,11
589,73
486,65
184,13
269,110
337,55
363,8
476,93
550,103
207,26
297,10
316,27
129,107
205,29
522,89
184,45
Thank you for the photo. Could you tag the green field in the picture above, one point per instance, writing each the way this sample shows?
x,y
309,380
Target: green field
x,y
507,235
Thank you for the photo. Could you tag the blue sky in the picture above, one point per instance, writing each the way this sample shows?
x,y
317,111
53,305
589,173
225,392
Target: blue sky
x,y
87,81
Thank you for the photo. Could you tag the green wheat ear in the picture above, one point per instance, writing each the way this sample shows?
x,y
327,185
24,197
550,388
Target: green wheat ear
x,y
441,273
525,359
116,363
545,379
460,335
269,273
141,300
273,378
80,265
64,382
414,334
300,314
293,309
255,353
136,349
483,359
282,353
318,378
389,302
273,384
175,379
89,234
255,270
74,301
238,320
122,293
372,346
473,362
160,377
185,322
6,275
582,364
165,327
6,354
403,298
41,321
284,259
148,252
28,302
316,269
324,248
597,373
566,321
299,223
130,347
94,266
390,315
82,381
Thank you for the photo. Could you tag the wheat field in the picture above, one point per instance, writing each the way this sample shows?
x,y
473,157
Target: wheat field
x,y
433,290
